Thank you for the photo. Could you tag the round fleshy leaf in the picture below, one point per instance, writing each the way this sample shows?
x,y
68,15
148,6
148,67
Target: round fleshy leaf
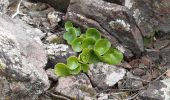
x,y
78,32
89,56
88,43
102,46
113,56
77,44
85,68
72,62
61,70
93,33
75,71
83,36
67,25
70,35
85,55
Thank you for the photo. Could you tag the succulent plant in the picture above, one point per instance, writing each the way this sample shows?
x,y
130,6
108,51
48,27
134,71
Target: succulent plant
x,y
91,48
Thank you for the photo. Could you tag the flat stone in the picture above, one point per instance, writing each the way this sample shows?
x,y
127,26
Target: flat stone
x,y
159,90
104,75
75,86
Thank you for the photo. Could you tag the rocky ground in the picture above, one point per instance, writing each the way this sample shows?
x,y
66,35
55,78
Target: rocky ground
x,y
31,43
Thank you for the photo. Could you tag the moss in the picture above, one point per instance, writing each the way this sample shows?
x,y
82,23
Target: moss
x,y
88,90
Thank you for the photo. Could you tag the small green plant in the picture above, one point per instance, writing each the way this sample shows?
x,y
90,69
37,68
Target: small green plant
x,y
91,48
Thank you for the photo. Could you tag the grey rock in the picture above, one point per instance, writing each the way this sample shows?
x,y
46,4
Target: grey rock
x,y
23,58
56,38
165,55
160,44
51,74
136,84
158,90
58,4
58,53
3,5
133,82
109,96
111,19
4,87
150,15
75,86
154,56
54,18
105,75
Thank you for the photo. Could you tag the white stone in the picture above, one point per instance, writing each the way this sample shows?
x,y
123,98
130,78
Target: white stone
x,y
166,90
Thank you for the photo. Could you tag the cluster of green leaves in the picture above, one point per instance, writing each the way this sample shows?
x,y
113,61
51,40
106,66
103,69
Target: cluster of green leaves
x,y
91,48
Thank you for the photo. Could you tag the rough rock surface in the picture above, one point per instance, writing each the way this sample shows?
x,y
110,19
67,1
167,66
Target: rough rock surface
x,y
111,19
58,4
104,75
159,90
23,59
58,53
75,86
150,15
3,5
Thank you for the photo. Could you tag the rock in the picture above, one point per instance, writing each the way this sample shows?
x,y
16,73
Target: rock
x,y
51,74
136,84
3,5
153,55
120,2
54,18
104,75
4,87
110,96
160,44
13,8
56,38
58,53
165,55
133,82
111,19
75,86
23,58
150,16
158,90
57,4
139,72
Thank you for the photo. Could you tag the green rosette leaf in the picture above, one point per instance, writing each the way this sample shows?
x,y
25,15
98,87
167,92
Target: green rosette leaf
x,y
70,35
93,33
102,46
88,43
68,25
72,62
61,70
113,56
